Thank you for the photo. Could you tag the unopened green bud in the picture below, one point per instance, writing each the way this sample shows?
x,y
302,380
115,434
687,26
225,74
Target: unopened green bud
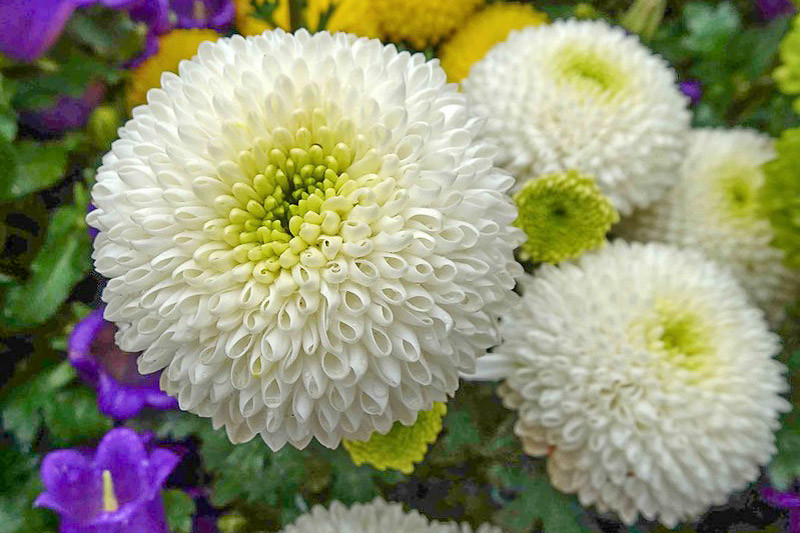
x,y
103,124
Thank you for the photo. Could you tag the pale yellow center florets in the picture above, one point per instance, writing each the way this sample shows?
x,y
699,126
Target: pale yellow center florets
x,y
587,71
678,334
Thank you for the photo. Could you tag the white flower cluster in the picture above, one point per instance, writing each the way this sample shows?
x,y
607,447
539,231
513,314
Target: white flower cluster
x,y
585,96
714,207
645,377
377,516
304,231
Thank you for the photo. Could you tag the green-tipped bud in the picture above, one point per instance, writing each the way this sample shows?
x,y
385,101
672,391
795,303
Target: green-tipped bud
x,y
644,17
103,124
231,523
563,214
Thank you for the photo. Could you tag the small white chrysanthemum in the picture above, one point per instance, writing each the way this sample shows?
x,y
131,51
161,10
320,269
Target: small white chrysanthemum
x,y
583,95
645,376
376,516
306,233
715,208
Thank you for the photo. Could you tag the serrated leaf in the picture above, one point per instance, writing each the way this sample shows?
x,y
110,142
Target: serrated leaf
x,y
60,263
29,167
537,501
179,508
72,417
22,414
459,431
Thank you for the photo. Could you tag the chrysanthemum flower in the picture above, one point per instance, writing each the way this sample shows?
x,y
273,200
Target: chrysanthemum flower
x,y
647,381
173,48
715,208
402,446
563,215
481,32
788,74
351,16
422,23
376,516
583,95
305,231
780,196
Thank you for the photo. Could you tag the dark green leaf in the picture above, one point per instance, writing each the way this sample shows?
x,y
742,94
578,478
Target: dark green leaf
x,y
179,508
72,417
61,262
30,167
710,27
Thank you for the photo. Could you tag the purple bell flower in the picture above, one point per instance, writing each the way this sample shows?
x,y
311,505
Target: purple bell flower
x,y
30,27
121,391
785,500
772,9
214,14
68,113
116,489
693,89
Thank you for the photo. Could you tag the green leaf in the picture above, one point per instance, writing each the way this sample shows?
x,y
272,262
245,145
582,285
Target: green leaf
x,y
536,501
60,263
71,417
22,413
30,166
19,486
179,508
785,466
459,430
710,27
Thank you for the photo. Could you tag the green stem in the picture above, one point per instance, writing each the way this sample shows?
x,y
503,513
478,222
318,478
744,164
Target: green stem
x,y
295,15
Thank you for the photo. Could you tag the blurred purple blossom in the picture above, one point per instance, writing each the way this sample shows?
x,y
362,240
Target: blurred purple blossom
x,y
693,89
68,113
113,489
772,9
121,391
789,501
30,27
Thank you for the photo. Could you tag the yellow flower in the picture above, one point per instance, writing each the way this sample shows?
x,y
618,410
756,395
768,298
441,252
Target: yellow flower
x,y
481,32
352,16
422,22
402,446
173,47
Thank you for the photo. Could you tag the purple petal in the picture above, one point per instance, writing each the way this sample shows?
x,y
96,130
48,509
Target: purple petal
x,y
794,521
122,453
159,399
777,498
216,14
118,400
771,9
72,486
30,27
162,463
80,344
154,13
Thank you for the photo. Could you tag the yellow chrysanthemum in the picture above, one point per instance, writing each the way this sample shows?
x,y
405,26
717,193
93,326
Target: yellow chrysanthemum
x,y
402,446
351,16
563,215
422,22
481,32
173,48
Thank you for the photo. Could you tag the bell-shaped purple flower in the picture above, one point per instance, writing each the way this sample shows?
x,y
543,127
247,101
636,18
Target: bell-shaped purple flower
x,y
772,9
789,501
30,27
115,489
693,89
68,113
214,14
121,391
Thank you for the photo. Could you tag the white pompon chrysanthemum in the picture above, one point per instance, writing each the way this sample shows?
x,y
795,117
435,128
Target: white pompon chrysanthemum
x,y
306,234
583,95
645,376
377,516
715,208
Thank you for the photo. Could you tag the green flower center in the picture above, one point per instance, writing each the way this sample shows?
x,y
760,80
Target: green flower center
x,y
738,188
563,215
589,72
679,334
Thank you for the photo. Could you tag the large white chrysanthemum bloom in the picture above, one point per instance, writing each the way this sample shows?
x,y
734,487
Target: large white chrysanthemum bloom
x,y
715,208
304,231
645,376
583,95
376,516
